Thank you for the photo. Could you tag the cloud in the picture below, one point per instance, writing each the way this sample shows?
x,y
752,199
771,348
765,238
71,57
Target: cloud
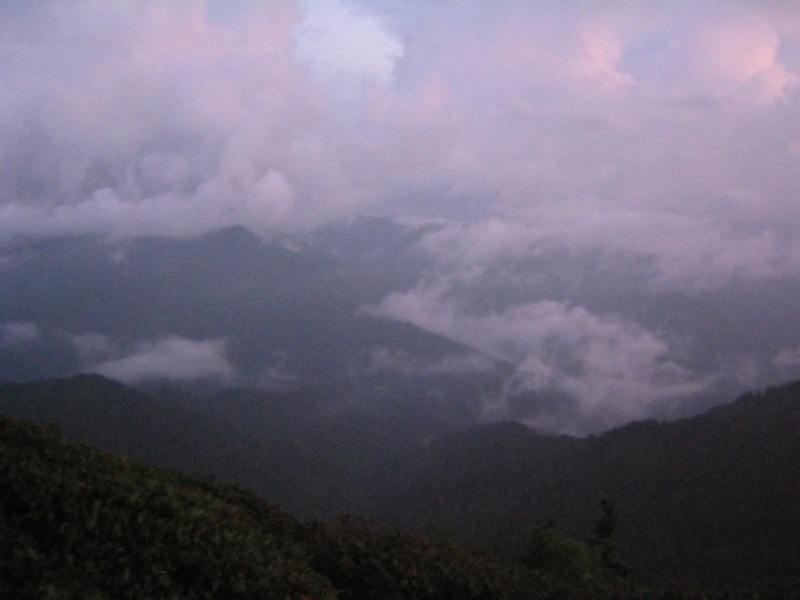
x,y
787,362
654,143
14,333
383,360
94,348
742,57
155,114
789,357
695,254
147,117
615,369
169,358
341,43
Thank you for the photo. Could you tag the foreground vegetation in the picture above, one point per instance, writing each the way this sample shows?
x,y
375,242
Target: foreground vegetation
x,y
77,522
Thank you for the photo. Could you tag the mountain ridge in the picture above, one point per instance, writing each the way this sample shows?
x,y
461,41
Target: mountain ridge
x,y
697,496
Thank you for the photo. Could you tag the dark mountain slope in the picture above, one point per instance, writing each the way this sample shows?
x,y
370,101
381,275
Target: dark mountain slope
x,y
712,499
361,428
76,522
95,410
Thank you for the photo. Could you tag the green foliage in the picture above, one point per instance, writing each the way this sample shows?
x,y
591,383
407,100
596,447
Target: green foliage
x,y
576,569
365,561
79,523
561,558
602,542
76,522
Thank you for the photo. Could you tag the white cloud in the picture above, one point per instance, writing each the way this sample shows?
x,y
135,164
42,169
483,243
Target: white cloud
x,y
697,254
340,42
94,348
617,370
741,57
181,113
169,358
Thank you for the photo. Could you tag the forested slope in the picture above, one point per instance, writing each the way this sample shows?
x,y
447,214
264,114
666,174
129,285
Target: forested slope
x,y
107,414
712,499
79,523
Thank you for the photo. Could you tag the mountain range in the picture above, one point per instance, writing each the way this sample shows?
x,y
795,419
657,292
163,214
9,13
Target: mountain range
x,y
711,499
229,310
376,309
365,367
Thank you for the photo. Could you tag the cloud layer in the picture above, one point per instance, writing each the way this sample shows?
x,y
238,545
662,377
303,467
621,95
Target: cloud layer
x,y
656,143
615,369
143,117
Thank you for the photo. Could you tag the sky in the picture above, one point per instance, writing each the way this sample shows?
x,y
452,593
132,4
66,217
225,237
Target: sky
x,y
656,141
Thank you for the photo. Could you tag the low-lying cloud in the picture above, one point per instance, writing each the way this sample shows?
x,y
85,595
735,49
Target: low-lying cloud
x,y
172,358
617,370
13,333
695,255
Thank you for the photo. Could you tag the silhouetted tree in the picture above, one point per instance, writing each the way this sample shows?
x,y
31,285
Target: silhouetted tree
x,y
602,539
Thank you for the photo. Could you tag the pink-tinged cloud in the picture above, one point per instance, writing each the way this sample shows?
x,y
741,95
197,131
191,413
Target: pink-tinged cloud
x,y
741,57
492,106
561,149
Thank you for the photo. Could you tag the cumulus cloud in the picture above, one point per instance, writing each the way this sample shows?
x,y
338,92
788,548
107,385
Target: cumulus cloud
x,y
154,118
147,117
343,44
169,358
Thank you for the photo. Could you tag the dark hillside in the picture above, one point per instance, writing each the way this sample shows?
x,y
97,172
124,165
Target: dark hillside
x,y
76,522
712,499
715,498
95,410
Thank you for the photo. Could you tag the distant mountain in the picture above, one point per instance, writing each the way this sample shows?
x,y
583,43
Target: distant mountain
x,y
712,499
383,247
282,318
361,428
483,325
